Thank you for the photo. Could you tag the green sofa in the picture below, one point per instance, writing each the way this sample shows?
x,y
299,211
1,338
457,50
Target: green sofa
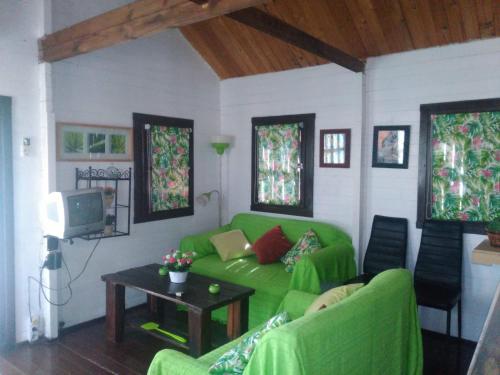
x,y
333,263
374,331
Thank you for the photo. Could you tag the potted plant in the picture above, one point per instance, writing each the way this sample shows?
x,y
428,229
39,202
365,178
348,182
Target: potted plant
x,y
493,231
109,224
177,264
109,196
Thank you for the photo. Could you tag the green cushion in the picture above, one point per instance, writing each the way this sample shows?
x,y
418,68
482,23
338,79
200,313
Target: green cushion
x,y
307,244
235,360
254,226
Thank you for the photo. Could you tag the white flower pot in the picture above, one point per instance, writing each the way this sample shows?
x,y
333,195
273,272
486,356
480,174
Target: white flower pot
x,y
178,277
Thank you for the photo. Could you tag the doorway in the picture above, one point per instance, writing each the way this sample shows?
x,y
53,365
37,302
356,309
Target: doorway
x,y
7,317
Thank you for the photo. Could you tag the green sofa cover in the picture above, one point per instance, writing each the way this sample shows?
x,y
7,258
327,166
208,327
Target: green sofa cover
x,y
374,331
334,262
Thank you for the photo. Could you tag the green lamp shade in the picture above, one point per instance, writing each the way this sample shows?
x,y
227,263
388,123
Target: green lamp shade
x,y
220,147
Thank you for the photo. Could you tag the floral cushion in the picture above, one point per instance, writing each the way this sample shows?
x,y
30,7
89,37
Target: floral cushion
x,y
307,244
235,360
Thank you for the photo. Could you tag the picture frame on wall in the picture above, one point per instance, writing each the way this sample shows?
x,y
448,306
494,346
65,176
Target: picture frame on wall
x,y
391,146
83,142
335,148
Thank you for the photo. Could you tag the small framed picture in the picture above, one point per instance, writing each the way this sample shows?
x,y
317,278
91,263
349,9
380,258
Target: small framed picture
x,y
391,146
79,142
335,148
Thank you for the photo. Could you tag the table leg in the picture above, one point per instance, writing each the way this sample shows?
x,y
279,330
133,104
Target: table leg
x,y
237,318
115,311
199,332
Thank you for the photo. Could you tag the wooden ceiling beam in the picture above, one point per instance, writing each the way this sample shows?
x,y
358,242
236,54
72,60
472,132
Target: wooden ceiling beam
x,y
132,21
270,25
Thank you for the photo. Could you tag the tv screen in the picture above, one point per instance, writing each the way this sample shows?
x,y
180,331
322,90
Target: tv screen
x,y
84,209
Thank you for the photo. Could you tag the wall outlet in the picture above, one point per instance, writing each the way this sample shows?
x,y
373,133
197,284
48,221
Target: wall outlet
x,y
34,329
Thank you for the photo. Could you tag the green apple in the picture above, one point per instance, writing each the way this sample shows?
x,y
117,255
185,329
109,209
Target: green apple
x,y
214,288
163,271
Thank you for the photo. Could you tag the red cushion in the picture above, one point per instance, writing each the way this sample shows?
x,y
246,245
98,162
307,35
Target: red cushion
x,y
271,246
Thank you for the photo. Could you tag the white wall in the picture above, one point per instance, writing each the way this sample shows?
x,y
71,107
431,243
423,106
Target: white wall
x,y
161,75
22,24
396,86
335,95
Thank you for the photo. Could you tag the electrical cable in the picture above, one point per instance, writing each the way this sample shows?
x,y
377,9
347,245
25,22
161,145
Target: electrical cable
x,y
42,287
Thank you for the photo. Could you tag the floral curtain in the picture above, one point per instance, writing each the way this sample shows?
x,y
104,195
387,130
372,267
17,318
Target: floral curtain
x,y
170,168
279,165
466,166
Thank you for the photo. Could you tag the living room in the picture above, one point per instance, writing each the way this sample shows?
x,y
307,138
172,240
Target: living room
x,y
221,77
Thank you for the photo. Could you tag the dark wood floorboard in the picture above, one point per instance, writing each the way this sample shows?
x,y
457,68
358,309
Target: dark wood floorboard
x,y
84,350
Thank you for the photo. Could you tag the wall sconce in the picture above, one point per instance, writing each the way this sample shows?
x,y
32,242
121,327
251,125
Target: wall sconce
x,y
220,143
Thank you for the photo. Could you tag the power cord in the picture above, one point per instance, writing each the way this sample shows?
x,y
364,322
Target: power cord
x,y
42,288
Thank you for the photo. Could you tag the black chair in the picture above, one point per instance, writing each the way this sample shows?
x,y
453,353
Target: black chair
x,y
386,247
438,272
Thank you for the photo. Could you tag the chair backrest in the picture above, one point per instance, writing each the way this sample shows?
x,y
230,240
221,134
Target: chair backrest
x,y
439,258
387,244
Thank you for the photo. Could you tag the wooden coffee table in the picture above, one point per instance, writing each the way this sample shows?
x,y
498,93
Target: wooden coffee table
x,y
196,298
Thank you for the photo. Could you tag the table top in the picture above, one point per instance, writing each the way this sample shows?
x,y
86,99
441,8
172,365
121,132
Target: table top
x,y
195,290
486,254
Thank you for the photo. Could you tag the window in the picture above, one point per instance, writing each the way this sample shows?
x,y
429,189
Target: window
x,y
335,148
163,160
459,169
283,164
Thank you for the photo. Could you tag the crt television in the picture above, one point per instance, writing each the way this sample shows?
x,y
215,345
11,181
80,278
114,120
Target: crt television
x,y
74,213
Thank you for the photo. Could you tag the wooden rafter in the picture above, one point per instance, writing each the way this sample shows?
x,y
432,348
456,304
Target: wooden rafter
x,y
132,21
279,29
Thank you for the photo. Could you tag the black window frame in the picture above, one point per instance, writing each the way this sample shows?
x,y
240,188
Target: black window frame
x,y
307,158
142,166
424,198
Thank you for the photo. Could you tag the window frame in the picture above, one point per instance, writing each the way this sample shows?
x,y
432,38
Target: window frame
x,y
424,198
347,148
142,168
307,158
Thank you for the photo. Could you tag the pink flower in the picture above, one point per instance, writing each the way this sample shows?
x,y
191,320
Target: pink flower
x,y
475,201
173,138
435,143
171,260
180,150
497,187
477,142
443,173
434,198
183,260
486,173
497,155
463,216
156,150
463,129
171,184
454,187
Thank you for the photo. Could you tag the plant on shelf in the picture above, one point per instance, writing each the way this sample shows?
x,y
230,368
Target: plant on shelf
x,y
177,264
109,196
493,231
108,225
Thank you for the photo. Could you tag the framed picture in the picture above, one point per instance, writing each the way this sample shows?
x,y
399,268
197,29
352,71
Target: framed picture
x,y
335,148
391,146
459,163
163,162
80,142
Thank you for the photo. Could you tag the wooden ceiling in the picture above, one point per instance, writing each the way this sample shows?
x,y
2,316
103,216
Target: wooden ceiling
x,y
361,28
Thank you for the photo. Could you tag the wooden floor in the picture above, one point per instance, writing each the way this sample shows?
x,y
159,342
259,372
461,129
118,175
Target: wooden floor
x,y
84,350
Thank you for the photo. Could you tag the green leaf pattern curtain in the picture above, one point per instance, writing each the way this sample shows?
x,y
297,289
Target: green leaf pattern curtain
x,y
466,166
278,150
170,168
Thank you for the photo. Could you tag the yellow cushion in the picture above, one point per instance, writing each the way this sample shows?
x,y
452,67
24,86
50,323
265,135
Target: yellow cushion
x,y
332,296
231,245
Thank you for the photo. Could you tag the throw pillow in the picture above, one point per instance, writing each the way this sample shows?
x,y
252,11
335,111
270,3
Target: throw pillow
x,y
307,244
235,360
332,296
231,245
271,246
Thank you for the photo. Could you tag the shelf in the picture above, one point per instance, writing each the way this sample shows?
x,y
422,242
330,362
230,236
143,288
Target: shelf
x,y
486,254
97,236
